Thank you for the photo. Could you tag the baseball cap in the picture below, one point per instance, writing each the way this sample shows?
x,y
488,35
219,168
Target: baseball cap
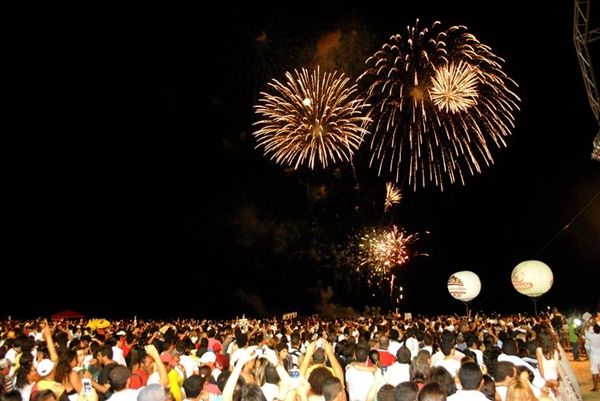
x,y
44,367
152,392
208,357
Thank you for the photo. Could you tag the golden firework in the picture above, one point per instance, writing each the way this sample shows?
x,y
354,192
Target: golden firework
x,y
454,87
311,118
392,195
439,101
380,250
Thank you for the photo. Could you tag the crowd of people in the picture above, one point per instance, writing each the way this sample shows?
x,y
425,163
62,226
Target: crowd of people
x,y
383,358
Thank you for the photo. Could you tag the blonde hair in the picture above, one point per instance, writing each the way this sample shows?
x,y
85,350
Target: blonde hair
x,y
520,390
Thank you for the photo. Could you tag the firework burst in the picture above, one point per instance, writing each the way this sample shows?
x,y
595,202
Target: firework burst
x,y
439,100
392,195
312,118
380,250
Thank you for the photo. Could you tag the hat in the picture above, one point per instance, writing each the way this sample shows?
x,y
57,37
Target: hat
x,y
221,362
167,358
152,392
121,333
5,363
44,367
208,357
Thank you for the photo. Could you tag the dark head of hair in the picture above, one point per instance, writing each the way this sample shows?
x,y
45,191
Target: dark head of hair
x,y
295,338
271,375
403,354
222,379
241,339
431,392
193,386
546,343
43,395
470,376
387,392
509,347
448,336
332,386
471,339
361,354
118,377
374,357
446,346
281,346
488,388
319,355
420,368
441,376
503,370
107,351
522,368
406,391
252,392
394,334
63,367
316,378
204,373
469,354
13,395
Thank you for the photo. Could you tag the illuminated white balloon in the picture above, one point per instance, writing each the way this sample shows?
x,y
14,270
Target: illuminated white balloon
x,y
464,285
532,278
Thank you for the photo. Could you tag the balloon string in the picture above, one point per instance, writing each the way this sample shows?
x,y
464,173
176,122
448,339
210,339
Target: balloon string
x,y
568,224
545,246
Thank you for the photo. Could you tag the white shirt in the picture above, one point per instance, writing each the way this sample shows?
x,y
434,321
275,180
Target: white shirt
x,y
118,356
270,391
397,373
125,395
468,395
450,364
358,383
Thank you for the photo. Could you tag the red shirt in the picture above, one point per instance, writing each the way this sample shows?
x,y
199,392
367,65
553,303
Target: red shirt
x,y
139,378
385,358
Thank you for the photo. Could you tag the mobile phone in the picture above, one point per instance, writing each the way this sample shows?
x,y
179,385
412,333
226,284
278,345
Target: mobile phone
x,y
295,376
320,343
87,386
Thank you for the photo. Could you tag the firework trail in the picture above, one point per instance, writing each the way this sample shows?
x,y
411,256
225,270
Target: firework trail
x,y
439,101
311,118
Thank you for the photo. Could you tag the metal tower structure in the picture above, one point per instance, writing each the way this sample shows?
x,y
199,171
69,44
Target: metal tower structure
x,y
583,36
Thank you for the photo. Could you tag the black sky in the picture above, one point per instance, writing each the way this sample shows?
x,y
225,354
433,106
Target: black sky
x,y
133,152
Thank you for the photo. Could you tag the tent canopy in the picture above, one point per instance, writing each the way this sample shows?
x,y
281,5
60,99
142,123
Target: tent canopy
x,y
67,314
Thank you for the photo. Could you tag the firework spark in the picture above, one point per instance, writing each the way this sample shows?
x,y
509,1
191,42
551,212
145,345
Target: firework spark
x,y
380,250
313,117
440,99
392,195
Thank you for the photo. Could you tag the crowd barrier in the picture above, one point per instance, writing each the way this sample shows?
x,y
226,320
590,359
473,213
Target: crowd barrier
x,y
568,388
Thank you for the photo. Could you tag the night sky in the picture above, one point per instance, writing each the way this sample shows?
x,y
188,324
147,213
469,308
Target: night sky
x,y
133,151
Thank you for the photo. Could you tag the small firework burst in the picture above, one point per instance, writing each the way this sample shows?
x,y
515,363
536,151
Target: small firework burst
x,y
380,250
312,118
454,87
439,101
392,195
